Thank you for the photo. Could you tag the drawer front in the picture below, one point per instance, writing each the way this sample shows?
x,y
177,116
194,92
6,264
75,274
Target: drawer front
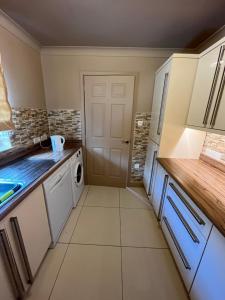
x,y
189,208
186,242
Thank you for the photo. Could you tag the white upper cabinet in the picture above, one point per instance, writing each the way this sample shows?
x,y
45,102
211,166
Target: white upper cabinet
x,y
207,106
158,105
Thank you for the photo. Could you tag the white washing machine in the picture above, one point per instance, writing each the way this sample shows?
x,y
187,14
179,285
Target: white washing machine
x,y
77,171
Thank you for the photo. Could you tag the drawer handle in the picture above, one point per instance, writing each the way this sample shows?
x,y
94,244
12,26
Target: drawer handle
x,y
179,250
11,265
184,222
20,243
189,207
166,178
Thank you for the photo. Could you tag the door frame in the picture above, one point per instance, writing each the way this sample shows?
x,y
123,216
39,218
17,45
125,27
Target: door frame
x,y
83,120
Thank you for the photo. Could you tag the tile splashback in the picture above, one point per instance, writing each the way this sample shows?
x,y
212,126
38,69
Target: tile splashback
x,y
139,147
214,146
66,122
29,123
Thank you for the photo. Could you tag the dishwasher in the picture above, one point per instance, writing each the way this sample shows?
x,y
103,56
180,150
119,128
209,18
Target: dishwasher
x,y
59,200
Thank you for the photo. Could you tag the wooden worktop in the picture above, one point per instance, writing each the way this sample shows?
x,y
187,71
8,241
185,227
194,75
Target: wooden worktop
x,y
203,183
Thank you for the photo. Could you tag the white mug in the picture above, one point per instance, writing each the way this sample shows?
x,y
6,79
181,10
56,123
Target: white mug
x,y
58,142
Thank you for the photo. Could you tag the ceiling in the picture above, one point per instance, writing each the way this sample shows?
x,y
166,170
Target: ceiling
x,y
118,23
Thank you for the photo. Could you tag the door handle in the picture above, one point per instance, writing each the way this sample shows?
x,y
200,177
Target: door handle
x,y
11,265
20,242
125,141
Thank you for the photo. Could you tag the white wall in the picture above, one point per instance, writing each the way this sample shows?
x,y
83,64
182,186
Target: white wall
x,y
20,57
62,68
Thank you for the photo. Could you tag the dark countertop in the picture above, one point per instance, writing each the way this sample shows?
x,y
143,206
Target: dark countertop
x,y
203,183
31,170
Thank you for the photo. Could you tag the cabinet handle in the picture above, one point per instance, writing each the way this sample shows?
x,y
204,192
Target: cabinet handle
x,y
184,222
189,207
213,87
20,243
218,100
152,173
11,266
162,102
166,178
179,250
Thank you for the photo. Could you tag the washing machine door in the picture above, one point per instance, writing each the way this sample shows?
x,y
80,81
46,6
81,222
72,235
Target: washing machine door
x,y
78,173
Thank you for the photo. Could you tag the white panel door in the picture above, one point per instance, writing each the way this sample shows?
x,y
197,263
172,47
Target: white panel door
x,y
205,88
108,113
210,278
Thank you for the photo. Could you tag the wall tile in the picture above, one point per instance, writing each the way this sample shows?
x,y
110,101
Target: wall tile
x,y
139,147
66,122
215,143
29,123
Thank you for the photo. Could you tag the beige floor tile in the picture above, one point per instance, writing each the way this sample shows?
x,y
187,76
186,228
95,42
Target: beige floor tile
x,y
139,228
70,225
140,191
98,225
129,200
102,196
150,274
90,273
83,196
47,274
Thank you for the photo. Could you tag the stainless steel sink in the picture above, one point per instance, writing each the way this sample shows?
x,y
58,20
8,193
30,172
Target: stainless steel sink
x,y
7,190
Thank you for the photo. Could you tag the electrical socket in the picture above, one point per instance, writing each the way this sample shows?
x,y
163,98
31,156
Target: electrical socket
x,y
140,123
44,137
136,166
36,140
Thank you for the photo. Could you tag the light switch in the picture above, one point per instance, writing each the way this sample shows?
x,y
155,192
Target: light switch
x,y
140,123
136,166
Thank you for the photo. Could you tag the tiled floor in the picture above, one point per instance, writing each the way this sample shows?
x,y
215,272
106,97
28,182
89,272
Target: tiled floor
x,y
111,248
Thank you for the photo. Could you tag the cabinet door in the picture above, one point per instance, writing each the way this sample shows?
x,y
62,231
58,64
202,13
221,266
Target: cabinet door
x,y
158,105
150,164
210,277
206,86
28,228
159,190
10,287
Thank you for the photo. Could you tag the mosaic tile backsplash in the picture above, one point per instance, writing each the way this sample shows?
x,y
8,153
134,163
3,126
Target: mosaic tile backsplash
x,y
66,122
29,123
139,147
214,146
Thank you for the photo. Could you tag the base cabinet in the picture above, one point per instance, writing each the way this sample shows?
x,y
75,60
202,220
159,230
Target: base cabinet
x,y
24,241
7,285
150,167
209,283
